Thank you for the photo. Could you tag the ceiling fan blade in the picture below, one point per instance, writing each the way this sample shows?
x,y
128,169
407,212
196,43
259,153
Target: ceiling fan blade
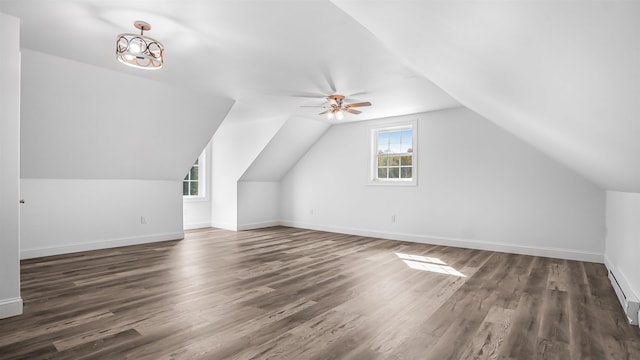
x,y
308,95
358,104
328,78
324,112
352,111
358,93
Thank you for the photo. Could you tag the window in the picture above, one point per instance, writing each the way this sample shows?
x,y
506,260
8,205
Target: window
x,y
394,155
190,183
193,183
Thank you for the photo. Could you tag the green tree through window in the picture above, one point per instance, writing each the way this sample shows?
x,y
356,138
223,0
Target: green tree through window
x,y
190,184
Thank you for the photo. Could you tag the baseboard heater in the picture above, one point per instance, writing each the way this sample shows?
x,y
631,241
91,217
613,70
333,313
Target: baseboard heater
x,y
629,302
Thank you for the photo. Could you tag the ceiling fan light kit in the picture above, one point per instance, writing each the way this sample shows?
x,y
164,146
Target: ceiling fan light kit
x,y
138,50
338,114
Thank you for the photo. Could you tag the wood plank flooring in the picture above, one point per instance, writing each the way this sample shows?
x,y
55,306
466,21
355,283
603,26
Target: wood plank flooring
x,y
284,293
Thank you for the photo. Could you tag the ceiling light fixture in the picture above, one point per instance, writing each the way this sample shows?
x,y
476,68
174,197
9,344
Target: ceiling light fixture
x,y
336,107
337,113
140,51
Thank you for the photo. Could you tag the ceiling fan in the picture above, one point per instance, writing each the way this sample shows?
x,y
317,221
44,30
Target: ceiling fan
x,y
336,107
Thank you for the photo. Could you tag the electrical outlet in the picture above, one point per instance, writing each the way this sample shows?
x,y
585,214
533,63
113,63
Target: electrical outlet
x,y
393,218
143,220
311,211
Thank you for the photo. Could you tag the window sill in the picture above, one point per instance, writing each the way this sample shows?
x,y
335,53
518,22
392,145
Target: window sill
x,y
195,198
392,183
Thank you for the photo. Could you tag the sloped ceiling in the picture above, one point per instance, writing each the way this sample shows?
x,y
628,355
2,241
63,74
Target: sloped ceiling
x,y
85,122
284,150
562,75
266,54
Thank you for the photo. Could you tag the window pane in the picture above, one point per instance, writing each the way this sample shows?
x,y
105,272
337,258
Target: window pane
x,y
395,148
194,188
406,173
395,142
405,160
394,137
383,161
407,141
185,188
394,173
382,173
383,138
383,143
394,161
196,163
186,178
194,173
405,146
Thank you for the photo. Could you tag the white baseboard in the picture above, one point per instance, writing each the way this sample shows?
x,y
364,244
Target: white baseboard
x,y
232,227
259,225
608,263
465,243
10,307
197,226
96,245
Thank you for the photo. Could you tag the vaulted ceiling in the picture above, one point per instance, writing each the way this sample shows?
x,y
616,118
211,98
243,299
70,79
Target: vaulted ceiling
x,y
563,75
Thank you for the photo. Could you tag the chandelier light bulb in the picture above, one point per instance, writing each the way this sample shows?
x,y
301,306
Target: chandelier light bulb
x,y
135,45
330,115
339,115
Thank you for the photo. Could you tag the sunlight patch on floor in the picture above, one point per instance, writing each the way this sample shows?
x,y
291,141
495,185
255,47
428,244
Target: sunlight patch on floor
x,y
425,263
421,258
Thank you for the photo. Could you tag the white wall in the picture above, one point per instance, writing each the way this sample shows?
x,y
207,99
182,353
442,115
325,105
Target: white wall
x,y
100,150
622,249
478,187
258,204
10,301
63,216
259,187
235,145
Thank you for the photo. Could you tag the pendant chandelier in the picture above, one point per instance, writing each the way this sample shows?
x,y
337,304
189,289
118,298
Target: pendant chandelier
x,y
140,51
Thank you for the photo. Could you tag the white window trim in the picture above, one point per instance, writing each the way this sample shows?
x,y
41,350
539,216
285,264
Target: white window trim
x,y
373,151
203,195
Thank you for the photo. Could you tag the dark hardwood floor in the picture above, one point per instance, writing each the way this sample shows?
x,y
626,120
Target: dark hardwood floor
x,y
283,293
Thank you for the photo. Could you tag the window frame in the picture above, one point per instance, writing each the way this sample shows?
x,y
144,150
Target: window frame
x,y
202,180
373,154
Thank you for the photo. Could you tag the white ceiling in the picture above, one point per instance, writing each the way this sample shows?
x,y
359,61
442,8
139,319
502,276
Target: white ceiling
x,y
562,75
257,52
291,141
79,122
